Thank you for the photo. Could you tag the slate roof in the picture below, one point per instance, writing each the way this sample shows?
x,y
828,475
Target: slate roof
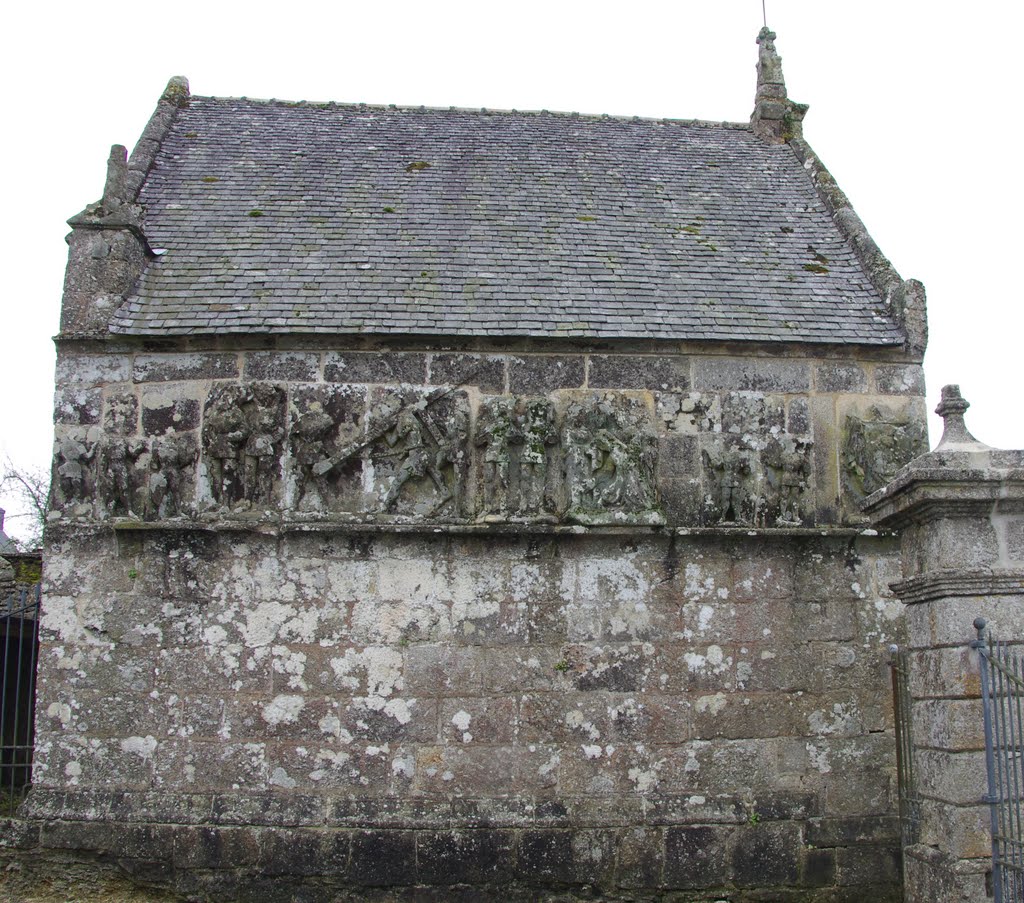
x,y
282,218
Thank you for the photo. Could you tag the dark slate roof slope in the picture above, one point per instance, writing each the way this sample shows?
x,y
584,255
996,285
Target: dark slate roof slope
x,y
278,217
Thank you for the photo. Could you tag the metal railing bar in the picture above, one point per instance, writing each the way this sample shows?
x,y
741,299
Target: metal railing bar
x,y
30,732
990,768
19,618
6,774
1015,851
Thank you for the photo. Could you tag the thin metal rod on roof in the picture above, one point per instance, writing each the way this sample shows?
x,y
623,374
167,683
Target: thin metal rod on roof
x,y
764,13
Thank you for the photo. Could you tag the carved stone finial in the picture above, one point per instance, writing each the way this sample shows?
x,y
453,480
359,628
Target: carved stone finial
x,y
177,91
776,119
951,409
115,189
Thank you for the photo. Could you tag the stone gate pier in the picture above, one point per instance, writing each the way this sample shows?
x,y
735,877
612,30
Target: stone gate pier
x,y
960,513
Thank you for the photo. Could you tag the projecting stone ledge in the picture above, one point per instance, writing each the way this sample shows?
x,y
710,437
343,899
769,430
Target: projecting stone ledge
x,y
961,478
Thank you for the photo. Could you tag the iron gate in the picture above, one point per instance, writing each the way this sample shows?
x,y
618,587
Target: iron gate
x,y
1002,692
19,646
910,804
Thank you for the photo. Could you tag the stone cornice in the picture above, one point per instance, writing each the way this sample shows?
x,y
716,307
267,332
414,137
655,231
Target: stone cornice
x,y
293,525
950,484
944,584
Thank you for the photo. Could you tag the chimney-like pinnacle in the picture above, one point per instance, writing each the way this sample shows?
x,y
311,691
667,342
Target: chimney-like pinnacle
x,y
115,189
776,119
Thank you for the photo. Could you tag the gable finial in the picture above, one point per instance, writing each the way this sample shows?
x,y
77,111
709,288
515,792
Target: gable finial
x,y
952,407
776,119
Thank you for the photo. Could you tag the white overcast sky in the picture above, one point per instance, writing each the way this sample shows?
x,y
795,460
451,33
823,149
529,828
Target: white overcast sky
x,y
914,106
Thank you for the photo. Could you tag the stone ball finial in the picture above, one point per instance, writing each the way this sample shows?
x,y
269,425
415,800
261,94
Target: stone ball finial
x,y
951,408
766,35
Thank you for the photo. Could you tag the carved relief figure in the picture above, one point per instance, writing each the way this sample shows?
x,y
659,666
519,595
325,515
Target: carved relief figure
x,y
757,486
452,452
170,465
632,457
582,456
243,427
310,434
122,480
74,471
416,461
224,436
731,473
875,448
536,430
495,432
265,432
789,462
610,462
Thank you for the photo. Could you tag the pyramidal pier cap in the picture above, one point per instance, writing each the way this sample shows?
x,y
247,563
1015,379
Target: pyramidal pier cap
x,y
776,119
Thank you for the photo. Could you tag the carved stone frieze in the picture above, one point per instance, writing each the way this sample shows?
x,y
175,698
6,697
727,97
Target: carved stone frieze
x,y
123,475
74,474
755,472
451,455
874,448
326,436
243,433
766,486
415,456
611,456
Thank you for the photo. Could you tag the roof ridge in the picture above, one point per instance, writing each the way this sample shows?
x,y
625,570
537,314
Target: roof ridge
x,y
421,108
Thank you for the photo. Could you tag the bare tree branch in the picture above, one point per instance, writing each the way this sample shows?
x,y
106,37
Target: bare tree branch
x,y
28,487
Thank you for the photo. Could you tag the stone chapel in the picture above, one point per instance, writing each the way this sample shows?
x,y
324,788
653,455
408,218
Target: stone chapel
x,y
465,505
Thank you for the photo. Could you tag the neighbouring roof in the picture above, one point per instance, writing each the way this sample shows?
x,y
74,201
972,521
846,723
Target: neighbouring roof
x,y
283,217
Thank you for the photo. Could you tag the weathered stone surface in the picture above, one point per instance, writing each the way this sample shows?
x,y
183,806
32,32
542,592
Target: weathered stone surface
x,y
161,414
487,373
79,407
121,415
286,366
755,375
661,373
465,857
525,707
177,367
383,858
213,848
765,854
694,857
899,380
92,370
375,367
539,374
835,377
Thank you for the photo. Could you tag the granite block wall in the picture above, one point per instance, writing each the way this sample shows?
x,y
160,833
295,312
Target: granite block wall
x,y
413,622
